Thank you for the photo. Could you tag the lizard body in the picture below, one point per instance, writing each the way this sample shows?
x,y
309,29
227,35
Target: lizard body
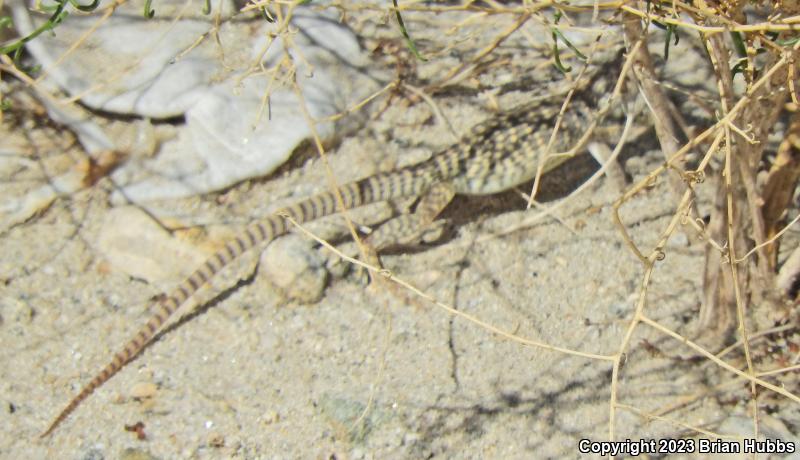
x,y
493,156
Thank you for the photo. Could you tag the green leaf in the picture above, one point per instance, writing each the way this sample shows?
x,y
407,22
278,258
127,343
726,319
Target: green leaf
x,y
59,14
672,29
85,8
740,67
556,34
788,41
738,44
409,41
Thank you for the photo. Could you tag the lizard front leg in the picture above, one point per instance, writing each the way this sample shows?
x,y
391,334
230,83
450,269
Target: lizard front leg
x,y
407,228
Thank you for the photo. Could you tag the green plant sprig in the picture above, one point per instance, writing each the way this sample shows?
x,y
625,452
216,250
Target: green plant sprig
x,y
404,31
557,35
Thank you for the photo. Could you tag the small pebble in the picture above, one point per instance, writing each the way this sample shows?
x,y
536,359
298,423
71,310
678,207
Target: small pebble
x,y
136,454
93,454
143,390
270,417
216,440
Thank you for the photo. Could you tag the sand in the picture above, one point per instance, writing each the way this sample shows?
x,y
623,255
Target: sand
x,y
366,371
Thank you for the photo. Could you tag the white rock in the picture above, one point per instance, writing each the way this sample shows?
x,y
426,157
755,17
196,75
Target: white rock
x,y
158,68
134,244
295,269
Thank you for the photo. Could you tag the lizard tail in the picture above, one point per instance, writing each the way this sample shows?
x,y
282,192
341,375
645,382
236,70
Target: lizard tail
x,y
265,230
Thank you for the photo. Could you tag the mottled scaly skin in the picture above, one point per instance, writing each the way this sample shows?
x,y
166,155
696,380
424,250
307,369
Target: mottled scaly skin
x,y
495,155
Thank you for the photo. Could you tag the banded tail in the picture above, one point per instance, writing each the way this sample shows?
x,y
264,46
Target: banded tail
x,y
411,181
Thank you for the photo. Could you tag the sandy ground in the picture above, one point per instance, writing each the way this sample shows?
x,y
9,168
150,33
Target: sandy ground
x,y
365,372
264,377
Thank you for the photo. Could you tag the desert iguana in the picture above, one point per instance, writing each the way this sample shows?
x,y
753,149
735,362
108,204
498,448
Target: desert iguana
x,y
493,156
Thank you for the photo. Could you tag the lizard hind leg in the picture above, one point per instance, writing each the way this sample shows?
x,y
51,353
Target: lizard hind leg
x,y
407,228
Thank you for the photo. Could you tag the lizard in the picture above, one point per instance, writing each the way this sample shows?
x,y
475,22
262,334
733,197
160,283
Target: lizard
x,y
493,156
